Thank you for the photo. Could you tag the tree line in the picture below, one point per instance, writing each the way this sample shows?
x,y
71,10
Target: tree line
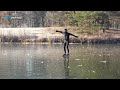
x,y
92,20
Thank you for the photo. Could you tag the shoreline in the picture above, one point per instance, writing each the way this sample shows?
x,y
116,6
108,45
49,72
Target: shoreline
x,y
49,36
86,41
59,40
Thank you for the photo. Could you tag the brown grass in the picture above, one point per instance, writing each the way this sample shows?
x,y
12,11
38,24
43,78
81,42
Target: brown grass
x,y
50,36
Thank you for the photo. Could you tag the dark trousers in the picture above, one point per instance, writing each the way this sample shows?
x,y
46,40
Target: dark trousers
x,y
66,45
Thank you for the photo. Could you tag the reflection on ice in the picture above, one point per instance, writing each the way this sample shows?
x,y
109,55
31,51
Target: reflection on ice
x,y
42,62
79,65
93,71
28,54
77,59
103,61
46,62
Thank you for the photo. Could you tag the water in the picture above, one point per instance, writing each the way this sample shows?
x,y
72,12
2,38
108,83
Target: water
x,y
45,61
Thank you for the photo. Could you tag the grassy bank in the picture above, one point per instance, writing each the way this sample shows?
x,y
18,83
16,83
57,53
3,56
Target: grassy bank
x,y
48,35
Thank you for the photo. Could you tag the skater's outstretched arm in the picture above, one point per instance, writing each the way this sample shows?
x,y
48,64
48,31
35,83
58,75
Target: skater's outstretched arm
x,y
59,31
73,35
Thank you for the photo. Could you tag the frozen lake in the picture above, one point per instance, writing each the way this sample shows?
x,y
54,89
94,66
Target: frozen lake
x,y
45,61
